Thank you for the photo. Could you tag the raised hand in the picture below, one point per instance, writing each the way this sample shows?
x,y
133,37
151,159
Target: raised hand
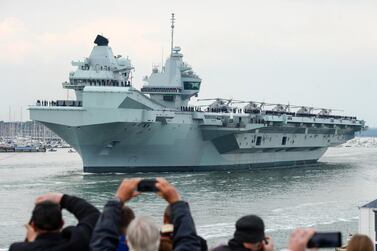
x,y
31,234
167,191
127,189
299,239
53,197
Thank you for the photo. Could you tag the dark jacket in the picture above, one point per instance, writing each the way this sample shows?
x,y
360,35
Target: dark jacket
x,y
166,243
233,245
106,233
203,244
72,237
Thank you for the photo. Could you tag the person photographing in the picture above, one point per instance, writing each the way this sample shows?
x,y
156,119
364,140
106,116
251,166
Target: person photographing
x,y
249,236
45,230
142,233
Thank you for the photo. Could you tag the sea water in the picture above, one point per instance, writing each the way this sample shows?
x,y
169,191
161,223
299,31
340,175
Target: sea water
x,y
325,196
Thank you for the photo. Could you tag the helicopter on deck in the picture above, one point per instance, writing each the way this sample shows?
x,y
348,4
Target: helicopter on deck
x,y
218,104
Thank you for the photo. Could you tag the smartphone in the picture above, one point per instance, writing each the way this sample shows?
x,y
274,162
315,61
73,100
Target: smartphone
x,y
325,240
147,185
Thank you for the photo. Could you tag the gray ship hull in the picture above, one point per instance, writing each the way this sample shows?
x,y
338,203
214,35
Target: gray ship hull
x,y
144,169
143,147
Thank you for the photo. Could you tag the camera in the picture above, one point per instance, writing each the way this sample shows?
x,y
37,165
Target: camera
x,y
147,185
325,240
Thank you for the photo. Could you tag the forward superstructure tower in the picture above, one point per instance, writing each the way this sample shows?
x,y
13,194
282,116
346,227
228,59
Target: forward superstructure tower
x,y
175,83
101,68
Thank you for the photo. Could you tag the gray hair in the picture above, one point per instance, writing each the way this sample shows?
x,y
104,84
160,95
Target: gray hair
x,y
143,235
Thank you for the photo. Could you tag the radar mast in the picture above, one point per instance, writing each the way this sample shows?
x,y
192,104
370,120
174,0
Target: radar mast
x,y
172,32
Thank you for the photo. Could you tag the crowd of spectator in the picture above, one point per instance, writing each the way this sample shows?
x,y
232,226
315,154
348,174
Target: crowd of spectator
x,y
117,227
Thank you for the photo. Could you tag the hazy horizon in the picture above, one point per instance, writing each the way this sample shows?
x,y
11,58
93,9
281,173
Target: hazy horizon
x,y
313,53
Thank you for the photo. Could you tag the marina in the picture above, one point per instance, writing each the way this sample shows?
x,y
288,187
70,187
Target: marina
x,y
29,144
22,149
29,136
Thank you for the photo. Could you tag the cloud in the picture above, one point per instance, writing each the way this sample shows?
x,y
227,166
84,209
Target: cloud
x,y
14,44
18,43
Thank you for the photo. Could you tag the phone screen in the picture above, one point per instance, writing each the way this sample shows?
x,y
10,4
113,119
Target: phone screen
x,y
147,185
325,240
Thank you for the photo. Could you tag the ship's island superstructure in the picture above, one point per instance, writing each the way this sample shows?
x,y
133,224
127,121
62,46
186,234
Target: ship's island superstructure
x,y
117,128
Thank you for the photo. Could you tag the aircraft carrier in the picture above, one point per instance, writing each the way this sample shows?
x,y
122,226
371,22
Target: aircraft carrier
x,y
117,128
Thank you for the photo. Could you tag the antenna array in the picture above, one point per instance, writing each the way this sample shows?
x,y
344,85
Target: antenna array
x,y
172,32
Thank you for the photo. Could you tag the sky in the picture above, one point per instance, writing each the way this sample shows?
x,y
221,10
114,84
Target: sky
x,y
320,53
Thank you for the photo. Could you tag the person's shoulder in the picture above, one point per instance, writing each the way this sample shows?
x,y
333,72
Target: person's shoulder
x,y
67,231
222,248
20,246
